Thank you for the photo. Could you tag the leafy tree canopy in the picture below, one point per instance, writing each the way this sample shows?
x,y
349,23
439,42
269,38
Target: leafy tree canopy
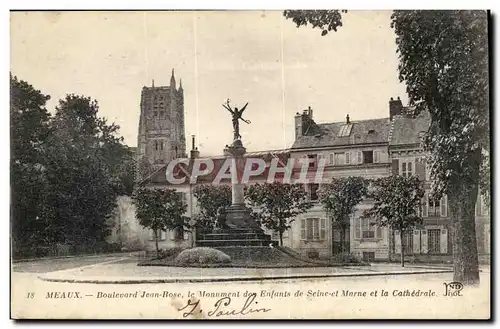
x,y
397,200
279,204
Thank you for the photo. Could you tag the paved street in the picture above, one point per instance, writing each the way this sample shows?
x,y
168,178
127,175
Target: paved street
x,y
58,264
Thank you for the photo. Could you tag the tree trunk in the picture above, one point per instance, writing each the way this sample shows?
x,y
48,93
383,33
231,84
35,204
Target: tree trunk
x,y
462,210
281,238
156,243
402,248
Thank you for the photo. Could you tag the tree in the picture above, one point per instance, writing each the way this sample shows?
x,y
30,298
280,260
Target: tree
x,y
444,62
83,160
29,130
326,20
397,200
279,204
212,200
160,210
339,199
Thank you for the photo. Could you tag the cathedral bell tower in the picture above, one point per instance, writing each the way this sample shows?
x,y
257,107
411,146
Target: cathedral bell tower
x,y
161,135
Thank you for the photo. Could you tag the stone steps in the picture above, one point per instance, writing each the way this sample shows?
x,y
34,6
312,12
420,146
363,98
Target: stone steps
x,y
234,236
233,243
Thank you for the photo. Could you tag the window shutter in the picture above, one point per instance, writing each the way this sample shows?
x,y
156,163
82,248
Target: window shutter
x,y
332,159
424,240
416,241
347,158
444,206
420,169
425,206
395,167
302,229
322,230
378,232
397,242
444,241
427,172
357,228
185,235
359,156
151,235
162,235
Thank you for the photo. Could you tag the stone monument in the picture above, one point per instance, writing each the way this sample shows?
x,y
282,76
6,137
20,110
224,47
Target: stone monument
x,y
240,229
237,215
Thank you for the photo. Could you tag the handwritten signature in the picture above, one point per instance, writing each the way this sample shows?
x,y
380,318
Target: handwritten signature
x,y
223,307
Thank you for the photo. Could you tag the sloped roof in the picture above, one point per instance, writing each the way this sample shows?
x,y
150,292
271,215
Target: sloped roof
x,y
363,132
408,130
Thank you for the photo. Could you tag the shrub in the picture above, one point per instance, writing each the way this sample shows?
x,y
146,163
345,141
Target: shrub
x,y
202,255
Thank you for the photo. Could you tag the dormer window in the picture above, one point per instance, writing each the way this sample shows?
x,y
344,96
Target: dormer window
x,y
345,130
371,131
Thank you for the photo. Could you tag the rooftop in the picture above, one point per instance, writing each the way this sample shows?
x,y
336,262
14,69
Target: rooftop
x,y
371,131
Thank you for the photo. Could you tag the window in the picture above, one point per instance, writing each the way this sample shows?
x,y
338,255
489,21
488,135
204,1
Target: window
x,y
339,159
183,197
179,233
364,229
407,169
367,156
312,160
313,229
155,113
312,191
156,145
345,130
162,114
367,230
161,146
331,158
347,158
368,256
434,208
408,242
434,242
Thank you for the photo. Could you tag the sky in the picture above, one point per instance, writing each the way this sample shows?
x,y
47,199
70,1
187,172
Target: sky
x,y
257,57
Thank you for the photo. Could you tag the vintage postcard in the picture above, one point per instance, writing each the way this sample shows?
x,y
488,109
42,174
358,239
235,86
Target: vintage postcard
x,y
296,164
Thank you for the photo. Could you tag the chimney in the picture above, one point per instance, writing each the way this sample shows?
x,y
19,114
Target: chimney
x,y
194,150
347,121
303,122
395,107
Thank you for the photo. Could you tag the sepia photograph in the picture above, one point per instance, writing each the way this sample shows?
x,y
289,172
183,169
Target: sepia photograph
x,y
250,164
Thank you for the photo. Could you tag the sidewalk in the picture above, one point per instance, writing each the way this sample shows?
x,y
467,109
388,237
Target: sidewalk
x,y
114,272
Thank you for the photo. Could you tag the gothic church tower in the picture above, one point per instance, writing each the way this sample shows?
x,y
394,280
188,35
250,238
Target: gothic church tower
x,y
161,126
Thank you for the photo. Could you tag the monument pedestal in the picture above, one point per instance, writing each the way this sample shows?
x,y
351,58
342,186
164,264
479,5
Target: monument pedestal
x,y
242,229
